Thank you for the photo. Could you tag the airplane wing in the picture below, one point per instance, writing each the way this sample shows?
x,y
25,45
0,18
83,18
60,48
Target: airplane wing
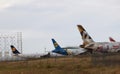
x,y
69,47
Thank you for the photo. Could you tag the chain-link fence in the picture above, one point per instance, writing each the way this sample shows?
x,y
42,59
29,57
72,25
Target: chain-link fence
x,y
7,39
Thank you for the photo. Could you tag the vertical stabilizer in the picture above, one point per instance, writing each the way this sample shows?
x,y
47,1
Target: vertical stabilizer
x,y
14,50
111,39
55,44
58,49
85,36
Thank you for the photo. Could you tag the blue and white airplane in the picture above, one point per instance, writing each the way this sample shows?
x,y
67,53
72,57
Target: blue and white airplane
x,y
23,56
59,51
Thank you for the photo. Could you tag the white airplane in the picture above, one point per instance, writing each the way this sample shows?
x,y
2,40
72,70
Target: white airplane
x,y
91,45
24,56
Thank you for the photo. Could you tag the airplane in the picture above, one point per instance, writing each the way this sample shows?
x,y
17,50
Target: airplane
x,y
59,51
23,56
90,45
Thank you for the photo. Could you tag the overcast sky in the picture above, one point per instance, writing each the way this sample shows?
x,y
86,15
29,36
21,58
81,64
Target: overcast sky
x,y
41,20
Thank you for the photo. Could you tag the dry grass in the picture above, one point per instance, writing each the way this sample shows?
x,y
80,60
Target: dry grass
x,y
67,65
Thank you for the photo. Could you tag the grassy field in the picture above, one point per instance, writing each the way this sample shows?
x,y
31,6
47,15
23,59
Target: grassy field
x,y
66,65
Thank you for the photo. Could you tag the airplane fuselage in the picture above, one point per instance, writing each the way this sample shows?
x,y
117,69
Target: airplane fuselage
x,y
104,46
76,51
28,56
68,51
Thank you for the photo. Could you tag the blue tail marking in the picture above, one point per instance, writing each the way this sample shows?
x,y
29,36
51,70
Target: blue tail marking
x,y
58,49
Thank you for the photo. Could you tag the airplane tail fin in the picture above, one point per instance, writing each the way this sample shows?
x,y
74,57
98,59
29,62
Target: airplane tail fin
x,y
85,36
111,39
14,50
55,44
58,49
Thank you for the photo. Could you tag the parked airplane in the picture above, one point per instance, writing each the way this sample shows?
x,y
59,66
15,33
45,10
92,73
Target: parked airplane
x,y
25,56
90,45
66,51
